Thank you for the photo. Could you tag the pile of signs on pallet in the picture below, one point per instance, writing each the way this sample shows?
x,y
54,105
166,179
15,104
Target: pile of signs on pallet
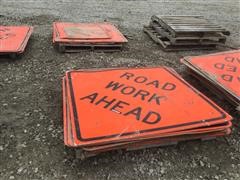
x,y
14,39
131,109
75,37
220,72
185,32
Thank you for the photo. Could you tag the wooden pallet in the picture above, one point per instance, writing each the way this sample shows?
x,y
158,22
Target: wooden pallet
x,y
185,25
11,55
190,39
168,46
66,47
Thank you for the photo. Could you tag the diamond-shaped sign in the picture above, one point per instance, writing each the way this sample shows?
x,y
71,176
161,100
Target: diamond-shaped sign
x,y
122,104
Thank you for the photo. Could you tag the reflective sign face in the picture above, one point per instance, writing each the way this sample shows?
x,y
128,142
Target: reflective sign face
x,y
128,103
221,67
14,38
87,32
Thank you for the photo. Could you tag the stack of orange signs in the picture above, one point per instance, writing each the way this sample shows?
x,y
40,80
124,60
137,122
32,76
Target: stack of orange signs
x,y
74,37
13,39
136,108
221,72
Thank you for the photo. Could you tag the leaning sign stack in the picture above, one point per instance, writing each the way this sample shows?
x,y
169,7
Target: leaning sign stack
x,y
185,32
220,72
136,108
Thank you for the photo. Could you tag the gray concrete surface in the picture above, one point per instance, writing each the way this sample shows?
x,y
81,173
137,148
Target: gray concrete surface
x,y
31,137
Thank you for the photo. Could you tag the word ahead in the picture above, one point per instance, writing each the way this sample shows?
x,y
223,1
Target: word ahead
x,y
115,105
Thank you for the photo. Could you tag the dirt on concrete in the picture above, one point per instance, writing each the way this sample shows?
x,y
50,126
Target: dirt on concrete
x,y
31,131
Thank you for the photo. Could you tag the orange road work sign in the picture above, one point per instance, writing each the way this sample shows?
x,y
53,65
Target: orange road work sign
x,y
13,39
221,70
87,32
121,105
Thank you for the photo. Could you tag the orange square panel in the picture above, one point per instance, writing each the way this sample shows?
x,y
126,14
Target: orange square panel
x,y
115,105
13,39
86,33
221,69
